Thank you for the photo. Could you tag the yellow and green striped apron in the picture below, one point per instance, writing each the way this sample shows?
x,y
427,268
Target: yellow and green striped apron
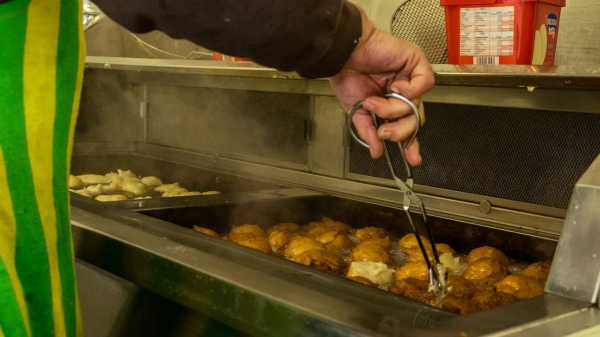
x,y
41,59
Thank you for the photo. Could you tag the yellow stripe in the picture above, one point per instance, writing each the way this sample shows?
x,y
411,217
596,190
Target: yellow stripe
x,y
39,77
74,113
8,229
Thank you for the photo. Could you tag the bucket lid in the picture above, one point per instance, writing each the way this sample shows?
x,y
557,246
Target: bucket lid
x,y
561,3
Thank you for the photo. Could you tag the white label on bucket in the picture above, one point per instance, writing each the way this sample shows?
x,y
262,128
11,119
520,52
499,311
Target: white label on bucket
x,y
487,31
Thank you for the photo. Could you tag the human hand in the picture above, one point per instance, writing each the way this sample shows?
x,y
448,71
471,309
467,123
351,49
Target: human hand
x,y
379,64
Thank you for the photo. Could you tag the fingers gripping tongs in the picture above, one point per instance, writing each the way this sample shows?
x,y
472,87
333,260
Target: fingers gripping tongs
x,y
437,276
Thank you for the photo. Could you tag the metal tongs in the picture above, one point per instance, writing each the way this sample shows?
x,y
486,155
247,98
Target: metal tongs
x,y
437,277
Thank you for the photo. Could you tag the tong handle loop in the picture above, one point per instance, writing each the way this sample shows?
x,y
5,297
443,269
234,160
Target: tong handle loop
x,y
359,105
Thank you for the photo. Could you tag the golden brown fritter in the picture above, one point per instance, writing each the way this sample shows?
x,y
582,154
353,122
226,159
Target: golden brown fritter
x,y
521,287
415,254
205,231
459,287
376,272
414,289
368,233
412,270
252,241
247,229
300,244
317,228
458,305
323,260
374,250
489,298
309,252
487,252
409,241
278,239
284,226
250,236
335,240
485,272
538,271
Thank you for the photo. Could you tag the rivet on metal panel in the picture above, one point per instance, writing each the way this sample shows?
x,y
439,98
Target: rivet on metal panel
x,y
485,207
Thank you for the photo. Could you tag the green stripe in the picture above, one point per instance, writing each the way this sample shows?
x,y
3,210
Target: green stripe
x,y
66,82
10,313
31,257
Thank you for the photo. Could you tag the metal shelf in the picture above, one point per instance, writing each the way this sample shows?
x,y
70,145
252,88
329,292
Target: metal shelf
x,y
557,88
505,76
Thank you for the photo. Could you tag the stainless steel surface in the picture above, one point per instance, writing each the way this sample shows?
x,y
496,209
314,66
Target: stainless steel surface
x,y
107,302
560,317
507,76
326,138
576,268
512,86
250,291
266,299
460,210
192,178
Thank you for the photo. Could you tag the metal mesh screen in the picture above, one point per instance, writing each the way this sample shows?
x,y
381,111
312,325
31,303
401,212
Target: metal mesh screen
x,y
423,23
525,155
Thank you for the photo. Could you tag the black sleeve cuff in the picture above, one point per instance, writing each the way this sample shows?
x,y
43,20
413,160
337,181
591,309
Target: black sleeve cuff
x,y
348,33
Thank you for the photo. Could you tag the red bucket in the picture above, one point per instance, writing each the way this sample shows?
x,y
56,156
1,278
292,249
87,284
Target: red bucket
x,y
502,31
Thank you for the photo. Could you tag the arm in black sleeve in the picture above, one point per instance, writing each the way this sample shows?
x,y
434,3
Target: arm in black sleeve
x,y
312,37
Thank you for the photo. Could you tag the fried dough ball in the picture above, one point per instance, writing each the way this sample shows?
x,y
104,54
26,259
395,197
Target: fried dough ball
x,y
111,198
75,182
321,259
278,239
133,186
376,273
114,186
488,298
485,272
168,187
309,252
251,241
284,226
151,181
368,233
280,234
334,240
94,190
374,250
487,252
409,241
538,271
324,225
415,254
412,270
205,231
521,287
246,229
460,287
414,289
93,179
82,192
453,264
300,244
458,305
126,174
